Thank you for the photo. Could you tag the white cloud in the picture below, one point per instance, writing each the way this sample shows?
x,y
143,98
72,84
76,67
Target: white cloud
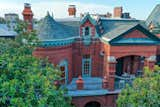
x,y
58,8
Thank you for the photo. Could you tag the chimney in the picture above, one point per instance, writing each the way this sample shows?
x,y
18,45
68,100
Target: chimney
x,y
118,12
28,16
126,15
72,10
108,15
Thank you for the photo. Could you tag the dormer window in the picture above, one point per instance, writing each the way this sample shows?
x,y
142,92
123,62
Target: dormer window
x,y
87,29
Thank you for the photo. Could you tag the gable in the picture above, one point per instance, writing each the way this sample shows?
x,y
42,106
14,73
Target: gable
x,y
88,17
135,36
87,23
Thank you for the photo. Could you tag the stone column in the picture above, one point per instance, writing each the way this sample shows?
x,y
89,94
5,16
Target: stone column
x,y
150,62
111,72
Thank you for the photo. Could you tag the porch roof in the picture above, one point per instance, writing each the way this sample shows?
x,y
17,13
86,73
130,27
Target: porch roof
x,y
92,87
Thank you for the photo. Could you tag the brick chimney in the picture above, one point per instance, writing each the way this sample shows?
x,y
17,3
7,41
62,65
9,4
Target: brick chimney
x,y
126,15
72,10
118,12
28,16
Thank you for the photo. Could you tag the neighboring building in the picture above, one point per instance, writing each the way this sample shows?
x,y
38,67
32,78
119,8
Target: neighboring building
x,y
11,17
97,57
153,20
117,14
96,16
6,32
8,25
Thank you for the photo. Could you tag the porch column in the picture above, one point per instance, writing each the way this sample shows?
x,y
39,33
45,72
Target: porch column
x,y
150,62
136,63
111,72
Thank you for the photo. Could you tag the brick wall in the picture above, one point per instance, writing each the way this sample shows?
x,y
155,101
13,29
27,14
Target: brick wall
x,y
118,12
136,34
120,51
79,49
55,55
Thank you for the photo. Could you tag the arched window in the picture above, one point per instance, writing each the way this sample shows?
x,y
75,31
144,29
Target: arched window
x,y
64,69
87,29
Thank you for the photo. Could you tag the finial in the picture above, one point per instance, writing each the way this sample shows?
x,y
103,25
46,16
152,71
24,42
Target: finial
x,y
87,13
48,13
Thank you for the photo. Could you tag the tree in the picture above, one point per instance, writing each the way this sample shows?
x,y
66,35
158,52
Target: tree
x,y
27,81
2,20
145,91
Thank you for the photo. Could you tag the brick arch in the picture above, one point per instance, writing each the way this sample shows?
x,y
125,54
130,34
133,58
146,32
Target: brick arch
x,y
125,55
81,102
132,54
93,102
63,61
131,64
100,101
139,50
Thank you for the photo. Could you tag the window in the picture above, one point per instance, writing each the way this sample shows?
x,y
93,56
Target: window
x,y
64,71
62,68
87,31
86,65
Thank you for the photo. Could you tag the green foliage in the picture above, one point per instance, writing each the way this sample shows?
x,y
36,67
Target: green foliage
x,y
2,20
26,81
145,91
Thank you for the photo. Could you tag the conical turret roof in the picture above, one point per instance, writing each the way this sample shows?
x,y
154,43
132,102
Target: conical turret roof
x,y
49,29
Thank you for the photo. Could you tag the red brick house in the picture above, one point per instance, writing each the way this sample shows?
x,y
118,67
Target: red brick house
x,y
97,56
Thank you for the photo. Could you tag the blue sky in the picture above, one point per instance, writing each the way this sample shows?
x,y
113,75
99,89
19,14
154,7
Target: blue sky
x,y
139,9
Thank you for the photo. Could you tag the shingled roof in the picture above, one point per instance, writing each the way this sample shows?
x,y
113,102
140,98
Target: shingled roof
x,y
5,31
154,17
50,29
115,27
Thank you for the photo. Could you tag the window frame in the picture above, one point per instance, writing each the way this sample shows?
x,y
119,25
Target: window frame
x,y
86,66
86,31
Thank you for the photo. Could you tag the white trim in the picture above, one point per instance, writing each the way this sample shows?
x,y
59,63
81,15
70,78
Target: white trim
x,y
106,39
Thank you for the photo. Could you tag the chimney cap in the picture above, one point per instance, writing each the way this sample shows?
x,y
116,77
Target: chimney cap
x,y
72,6
27,5
119,7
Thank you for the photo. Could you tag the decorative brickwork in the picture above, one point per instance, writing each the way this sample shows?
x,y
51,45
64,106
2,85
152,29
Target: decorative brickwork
x,y
28,16
104,101
135,34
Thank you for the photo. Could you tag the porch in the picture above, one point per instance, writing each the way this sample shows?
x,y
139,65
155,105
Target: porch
x,y
93,86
